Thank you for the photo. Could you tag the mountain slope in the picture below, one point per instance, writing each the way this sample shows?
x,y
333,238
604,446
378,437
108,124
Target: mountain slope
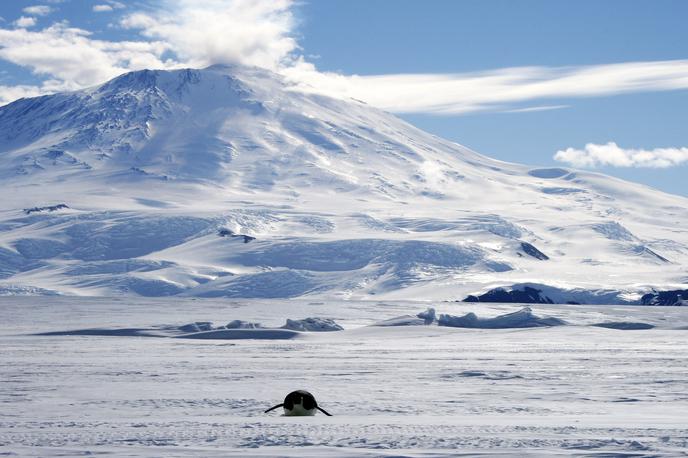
x,y
164,172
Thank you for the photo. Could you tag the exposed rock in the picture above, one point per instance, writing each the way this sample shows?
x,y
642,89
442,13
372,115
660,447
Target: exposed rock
x,y
643,250
674,297
527,295
50,208
537,293
224,232
530,250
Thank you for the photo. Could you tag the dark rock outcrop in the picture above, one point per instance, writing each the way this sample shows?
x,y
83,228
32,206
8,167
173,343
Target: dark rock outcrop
x,y
50,208
224,232
674,297
527,295
530,250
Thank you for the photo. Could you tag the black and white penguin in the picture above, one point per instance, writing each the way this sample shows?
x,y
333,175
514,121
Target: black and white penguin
x,y
299,403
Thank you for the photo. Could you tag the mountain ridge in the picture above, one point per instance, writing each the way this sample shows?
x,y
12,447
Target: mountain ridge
x,y
164,161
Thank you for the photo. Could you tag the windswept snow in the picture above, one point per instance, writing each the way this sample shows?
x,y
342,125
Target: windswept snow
x,y
523,318
609,383
312,324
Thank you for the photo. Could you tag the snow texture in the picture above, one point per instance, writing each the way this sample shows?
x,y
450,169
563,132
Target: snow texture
x,y
228,182
610,383
312,324
523,318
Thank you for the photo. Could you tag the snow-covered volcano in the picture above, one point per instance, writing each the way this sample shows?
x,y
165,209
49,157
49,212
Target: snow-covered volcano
x,y
229,182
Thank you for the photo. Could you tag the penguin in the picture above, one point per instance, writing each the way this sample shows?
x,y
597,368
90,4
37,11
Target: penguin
x,y
299,403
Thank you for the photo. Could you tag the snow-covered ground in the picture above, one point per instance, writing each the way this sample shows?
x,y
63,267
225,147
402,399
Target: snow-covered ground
x,y
575,389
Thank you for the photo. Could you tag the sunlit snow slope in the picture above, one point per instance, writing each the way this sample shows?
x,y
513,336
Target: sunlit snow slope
x,y
162,173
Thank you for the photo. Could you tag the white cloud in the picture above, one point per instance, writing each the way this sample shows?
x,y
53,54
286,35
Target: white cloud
x,y
25,22
610,154
536,108
198,33
110,5
11,93
71,59
206,32
194,33
467,92
38,10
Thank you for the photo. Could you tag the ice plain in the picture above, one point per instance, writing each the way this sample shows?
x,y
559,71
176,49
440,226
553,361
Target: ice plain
x,y
416,390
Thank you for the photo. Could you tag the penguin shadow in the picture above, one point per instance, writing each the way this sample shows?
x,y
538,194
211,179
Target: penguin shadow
x,y
299,403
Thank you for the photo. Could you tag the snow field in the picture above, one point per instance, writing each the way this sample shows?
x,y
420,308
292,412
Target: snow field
x,y
344,201
397,391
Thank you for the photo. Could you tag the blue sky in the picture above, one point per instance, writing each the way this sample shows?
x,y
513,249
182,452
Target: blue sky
x,y
519,81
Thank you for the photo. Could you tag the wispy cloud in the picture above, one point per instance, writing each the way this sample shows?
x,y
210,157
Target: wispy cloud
x,y
198,33
25,21
70,59
467,92
38,10
102,8
108,6
9,93
194,33
536,108
611,154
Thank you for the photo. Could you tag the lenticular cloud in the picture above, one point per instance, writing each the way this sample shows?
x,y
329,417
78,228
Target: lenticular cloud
x,y
611,154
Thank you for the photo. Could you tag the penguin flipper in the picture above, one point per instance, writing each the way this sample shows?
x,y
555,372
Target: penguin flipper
x,y
273,408
323,411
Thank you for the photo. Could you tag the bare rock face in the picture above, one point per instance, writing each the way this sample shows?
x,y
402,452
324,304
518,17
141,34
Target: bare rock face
x,y
675,297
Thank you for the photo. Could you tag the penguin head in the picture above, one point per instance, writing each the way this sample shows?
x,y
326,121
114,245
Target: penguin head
x,y
299,403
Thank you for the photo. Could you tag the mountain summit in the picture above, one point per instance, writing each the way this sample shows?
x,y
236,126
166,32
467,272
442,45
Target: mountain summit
x,y
236,127
228,181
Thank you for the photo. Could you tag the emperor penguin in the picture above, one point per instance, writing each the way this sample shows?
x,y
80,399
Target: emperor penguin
x,y
299,403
